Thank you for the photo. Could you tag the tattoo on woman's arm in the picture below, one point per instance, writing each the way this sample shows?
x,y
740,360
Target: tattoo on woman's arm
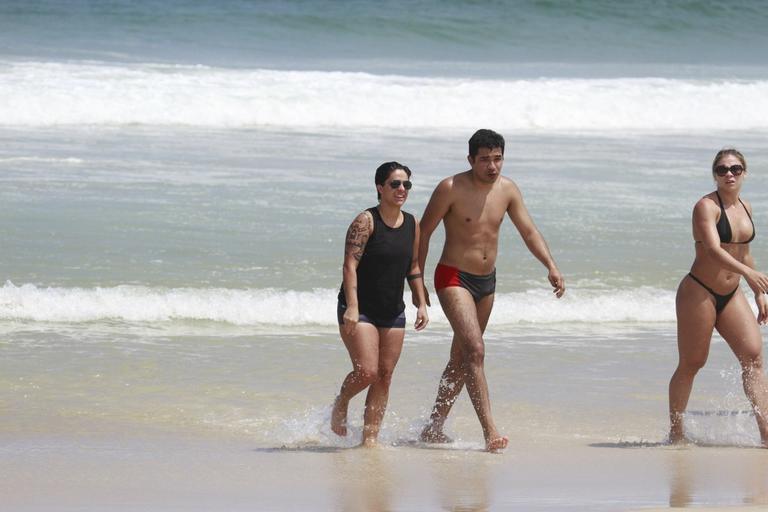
x,y
357,237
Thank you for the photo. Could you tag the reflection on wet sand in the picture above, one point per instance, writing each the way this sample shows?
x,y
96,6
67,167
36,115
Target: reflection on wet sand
x,y
699,475
380,479
679,480
756,491
462,481
365,480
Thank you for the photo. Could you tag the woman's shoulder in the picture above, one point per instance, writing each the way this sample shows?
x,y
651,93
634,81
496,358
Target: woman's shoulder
x,y
367,213
707,206
708,201
364,219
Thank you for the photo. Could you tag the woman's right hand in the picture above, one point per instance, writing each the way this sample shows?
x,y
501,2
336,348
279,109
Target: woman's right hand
x,y
351,318
422,318
762,308
757,281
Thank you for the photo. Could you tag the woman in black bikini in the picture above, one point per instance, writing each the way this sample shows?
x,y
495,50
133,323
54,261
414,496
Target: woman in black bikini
x,y
709,297
380,254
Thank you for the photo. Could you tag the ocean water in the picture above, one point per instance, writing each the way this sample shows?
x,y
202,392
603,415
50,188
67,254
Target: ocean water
x,y
176,180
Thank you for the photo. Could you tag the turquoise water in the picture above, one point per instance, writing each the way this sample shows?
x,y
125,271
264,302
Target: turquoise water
x,y
396,35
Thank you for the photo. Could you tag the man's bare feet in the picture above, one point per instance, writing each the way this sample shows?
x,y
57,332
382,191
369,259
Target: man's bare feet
x,y
339,418
369,443
497,444
676,436
432,435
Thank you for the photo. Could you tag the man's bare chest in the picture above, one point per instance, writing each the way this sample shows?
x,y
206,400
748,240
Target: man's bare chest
x,y
477,212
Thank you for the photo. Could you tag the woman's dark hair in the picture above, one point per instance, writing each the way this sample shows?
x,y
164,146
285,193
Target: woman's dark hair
x,y
485,139
384,170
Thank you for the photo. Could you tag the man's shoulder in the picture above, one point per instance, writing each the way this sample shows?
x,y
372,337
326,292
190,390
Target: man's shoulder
x,y
458,181
509,188
449,184
507,182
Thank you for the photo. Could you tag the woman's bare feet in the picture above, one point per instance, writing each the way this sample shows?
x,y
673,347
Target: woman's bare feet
x,y
339,417
496,444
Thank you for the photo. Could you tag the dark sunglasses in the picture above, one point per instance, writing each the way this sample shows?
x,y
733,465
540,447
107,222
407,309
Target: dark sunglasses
x,y
736,170
395,184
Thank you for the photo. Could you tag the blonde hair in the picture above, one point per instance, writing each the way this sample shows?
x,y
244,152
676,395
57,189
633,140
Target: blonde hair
x,y
728,152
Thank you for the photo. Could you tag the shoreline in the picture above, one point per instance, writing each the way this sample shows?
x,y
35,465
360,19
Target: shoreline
x,y
202,422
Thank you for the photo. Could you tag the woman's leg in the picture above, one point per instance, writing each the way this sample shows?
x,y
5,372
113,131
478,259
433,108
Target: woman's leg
x,y
695,320
738,326
363,348
390,347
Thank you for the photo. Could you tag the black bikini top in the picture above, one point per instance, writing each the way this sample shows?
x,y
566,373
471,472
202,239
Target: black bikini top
x,y
724,227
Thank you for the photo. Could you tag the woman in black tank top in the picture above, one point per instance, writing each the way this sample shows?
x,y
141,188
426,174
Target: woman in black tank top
x,y
709,297
380,254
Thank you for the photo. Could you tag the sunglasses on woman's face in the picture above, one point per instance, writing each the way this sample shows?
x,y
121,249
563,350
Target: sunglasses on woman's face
x,y
722,170
395,184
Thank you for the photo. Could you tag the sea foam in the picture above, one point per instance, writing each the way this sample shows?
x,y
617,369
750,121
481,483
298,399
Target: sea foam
x,y
263,307
43,94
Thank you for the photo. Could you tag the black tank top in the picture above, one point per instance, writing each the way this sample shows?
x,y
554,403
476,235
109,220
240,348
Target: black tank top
x,y
383,267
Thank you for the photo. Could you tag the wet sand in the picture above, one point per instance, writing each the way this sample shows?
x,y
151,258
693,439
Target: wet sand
x,y
190,423
155,472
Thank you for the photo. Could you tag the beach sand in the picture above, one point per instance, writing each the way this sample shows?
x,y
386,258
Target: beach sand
x,y
592,440
157,472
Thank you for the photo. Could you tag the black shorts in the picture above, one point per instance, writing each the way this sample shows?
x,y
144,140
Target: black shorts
x,y
397,322
477,286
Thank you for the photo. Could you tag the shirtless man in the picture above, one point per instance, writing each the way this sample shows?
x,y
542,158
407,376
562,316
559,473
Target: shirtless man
x,y
472,205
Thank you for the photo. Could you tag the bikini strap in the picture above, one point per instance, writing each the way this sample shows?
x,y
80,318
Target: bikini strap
x,y
720,200
745,209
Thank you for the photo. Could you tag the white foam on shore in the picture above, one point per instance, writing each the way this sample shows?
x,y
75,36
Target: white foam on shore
x,y
306,308
40,94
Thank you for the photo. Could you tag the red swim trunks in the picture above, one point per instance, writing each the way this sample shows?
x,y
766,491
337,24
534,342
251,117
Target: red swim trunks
x,y
477,286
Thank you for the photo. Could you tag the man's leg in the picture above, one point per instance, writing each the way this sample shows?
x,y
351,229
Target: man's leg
x,y
451,384
461,311
452,380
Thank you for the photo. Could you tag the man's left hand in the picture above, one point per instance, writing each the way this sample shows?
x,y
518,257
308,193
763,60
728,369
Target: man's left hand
x,y
557,281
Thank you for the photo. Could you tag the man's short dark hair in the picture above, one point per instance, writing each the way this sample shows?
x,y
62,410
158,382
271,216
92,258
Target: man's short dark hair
x,y
485,139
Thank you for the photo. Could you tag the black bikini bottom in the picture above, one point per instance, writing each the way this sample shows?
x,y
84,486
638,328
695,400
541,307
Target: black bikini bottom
x,y
720,300
397,322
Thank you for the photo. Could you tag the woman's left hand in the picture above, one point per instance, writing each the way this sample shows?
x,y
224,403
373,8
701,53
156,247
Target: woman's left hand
x,y
762,308
422,319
